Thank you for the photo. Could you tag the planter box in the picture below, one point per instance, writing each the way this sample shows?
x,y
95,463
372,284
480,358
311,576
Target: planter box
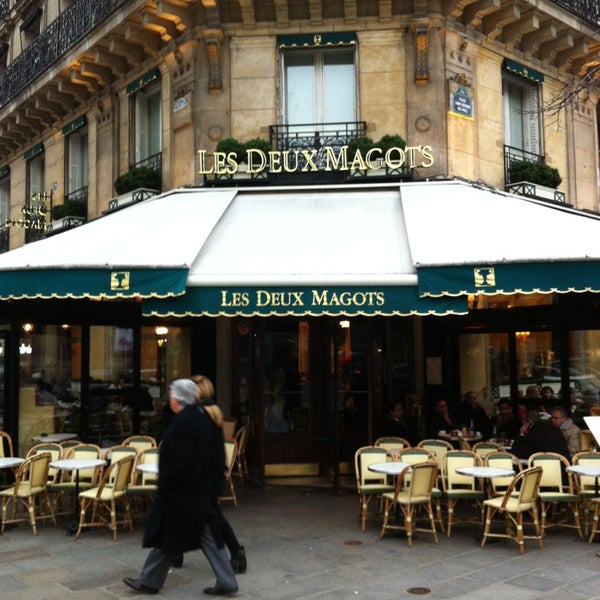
x,y
130,198
64,224
535,190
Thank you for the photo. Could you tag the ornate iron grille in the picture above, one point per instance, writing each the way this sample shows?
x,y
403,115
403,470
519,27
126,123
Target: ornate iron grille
x,y
512,155
61,35
153,162
586,9
315,136
4,239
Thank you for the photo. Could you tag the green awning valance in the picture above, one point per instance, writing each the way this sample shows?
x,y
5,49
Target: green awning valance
x,y
317,40
302,301
510,278
32,152
143,81
74,125
66,282
515,67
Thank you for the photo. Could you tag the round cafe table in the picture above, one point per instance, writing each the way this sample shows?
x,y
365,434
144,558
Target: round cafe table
x,y
76,464
388,468
8,462
150,468
587,471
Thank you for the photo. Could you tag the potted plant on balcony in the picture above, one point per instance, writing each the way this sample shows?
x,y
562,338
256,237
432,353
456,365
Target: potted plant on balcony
x,y
388,142
68,214
137,184
535,179
231,146
255,157
358,146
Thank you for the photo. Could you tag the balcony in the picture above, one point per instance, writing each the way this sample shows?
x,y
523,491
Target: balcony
x,y
71,213
590,11
4,239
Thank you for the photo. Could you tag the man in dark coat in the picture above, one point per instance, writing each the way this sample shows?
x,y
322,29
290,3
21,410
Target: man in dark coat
x,y
183,517
537,435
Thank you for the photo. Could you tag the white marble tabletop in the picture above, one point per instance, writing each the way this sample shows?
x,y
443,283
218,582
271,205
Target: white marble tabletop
x,y
388,468
7,462
486,472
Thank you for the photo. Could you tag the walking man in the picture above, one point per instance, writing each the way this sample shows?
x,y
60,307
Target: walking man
x,y
183,517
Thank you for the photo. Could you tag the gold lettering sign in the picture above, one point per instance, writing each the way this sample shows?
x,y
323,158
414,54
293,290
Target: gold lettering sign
x,y
484,277
119,280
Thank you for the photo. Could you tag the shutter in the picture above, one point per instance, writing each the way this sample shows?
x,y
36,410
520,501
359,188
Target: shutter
x,y
4,199
515,117
141,126
154,124
74,164
532,120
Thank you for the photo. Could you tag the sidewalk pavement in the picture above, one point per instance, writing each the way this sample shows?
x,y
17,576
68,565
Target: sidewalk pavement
x,y
306,543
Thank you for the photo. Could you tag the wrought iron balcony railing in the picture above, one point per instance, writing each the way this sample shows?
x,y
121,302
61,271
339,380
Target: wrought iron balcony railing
x,y
153,162
4,239
586,9
61,35
512,155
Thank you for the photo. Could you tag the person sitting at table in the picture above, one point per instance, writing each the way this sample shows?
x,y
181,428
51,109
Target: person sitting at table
x,y
537,435
473,417
394,423
441,419
507,424
560,418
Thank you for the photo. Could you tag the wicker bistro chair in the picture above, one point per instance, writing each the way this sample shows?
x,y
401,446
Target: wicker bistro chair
x,y
56,453
111,490
587,487
31,482
6,444
520,497
231,450
554,494
143,486
241,437
410,497
116,453
140,442
484,448
501,460
413,456
394,444
369,484
459,487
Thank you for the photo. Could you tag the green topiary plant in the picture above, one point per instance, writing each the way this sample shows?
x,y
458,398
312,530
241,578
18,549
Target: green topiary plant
x,y
534,172
391,141
138,177
362,144
231,145
70,208
257,144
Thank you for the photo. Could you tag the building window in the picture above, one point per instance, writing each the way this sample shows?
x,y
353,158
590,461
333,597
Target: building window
x,y
319,86
31,27
36,199
522,117
147,119
77,160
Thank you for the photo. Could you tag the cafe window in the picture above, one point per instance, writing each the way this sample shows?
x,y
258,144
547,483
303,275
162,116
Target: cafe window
x,y
584,370
49,381
147,120
522,115
319,85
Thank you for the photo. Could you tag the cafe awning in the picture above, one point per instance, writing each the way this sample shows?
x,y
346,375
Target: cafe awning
x,y
248,251
471,239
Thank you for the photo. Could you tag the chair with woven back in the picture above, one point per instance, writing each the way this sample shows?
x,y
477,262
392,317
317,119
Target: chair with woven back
x,y
557,491
31,483
6,450
410,497
67,482
459,487
586,485
501,460
369,484
231,449
520,497
104,497
117,453
140,442
484,448
241,437
392,443
143,485
56,453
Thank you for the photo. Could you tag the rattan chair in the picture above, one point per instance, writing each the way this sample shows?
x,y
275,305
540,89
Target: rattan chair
x,y
369,484
520,497
501,460
105,497
31,483
484,448
410,497
241,437
231,450
391,443
140,442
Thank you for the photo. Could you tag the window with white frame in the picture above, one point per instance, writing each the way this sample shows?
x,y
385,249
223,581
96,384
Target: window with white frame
x,y
4,199
522,116
147,119
319,85
76,160
36,201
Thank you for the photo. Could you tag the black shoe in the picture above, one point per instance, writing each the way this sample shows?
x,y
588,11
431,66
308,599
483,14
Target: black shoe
x,y
219,591
238,560
138,586
177,563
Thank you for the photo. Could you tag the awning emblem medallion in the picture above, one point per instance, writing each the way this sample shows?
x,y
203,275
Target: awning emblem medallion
x,y
119,280
484,277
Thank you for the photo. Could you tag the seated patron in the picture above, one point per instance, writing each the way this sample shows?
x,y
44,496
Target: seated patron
x,y
507,424
442,420
473,416
537,435
394,424
560,418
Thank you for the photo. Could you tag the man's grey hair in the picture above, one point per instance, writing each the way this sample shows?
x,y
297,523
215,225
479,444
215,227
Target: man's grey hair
x,y
184,391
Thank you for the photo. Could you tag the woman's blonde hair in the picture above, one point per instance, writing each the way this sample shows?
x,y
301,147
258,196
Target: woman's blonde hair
x,y
206,389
